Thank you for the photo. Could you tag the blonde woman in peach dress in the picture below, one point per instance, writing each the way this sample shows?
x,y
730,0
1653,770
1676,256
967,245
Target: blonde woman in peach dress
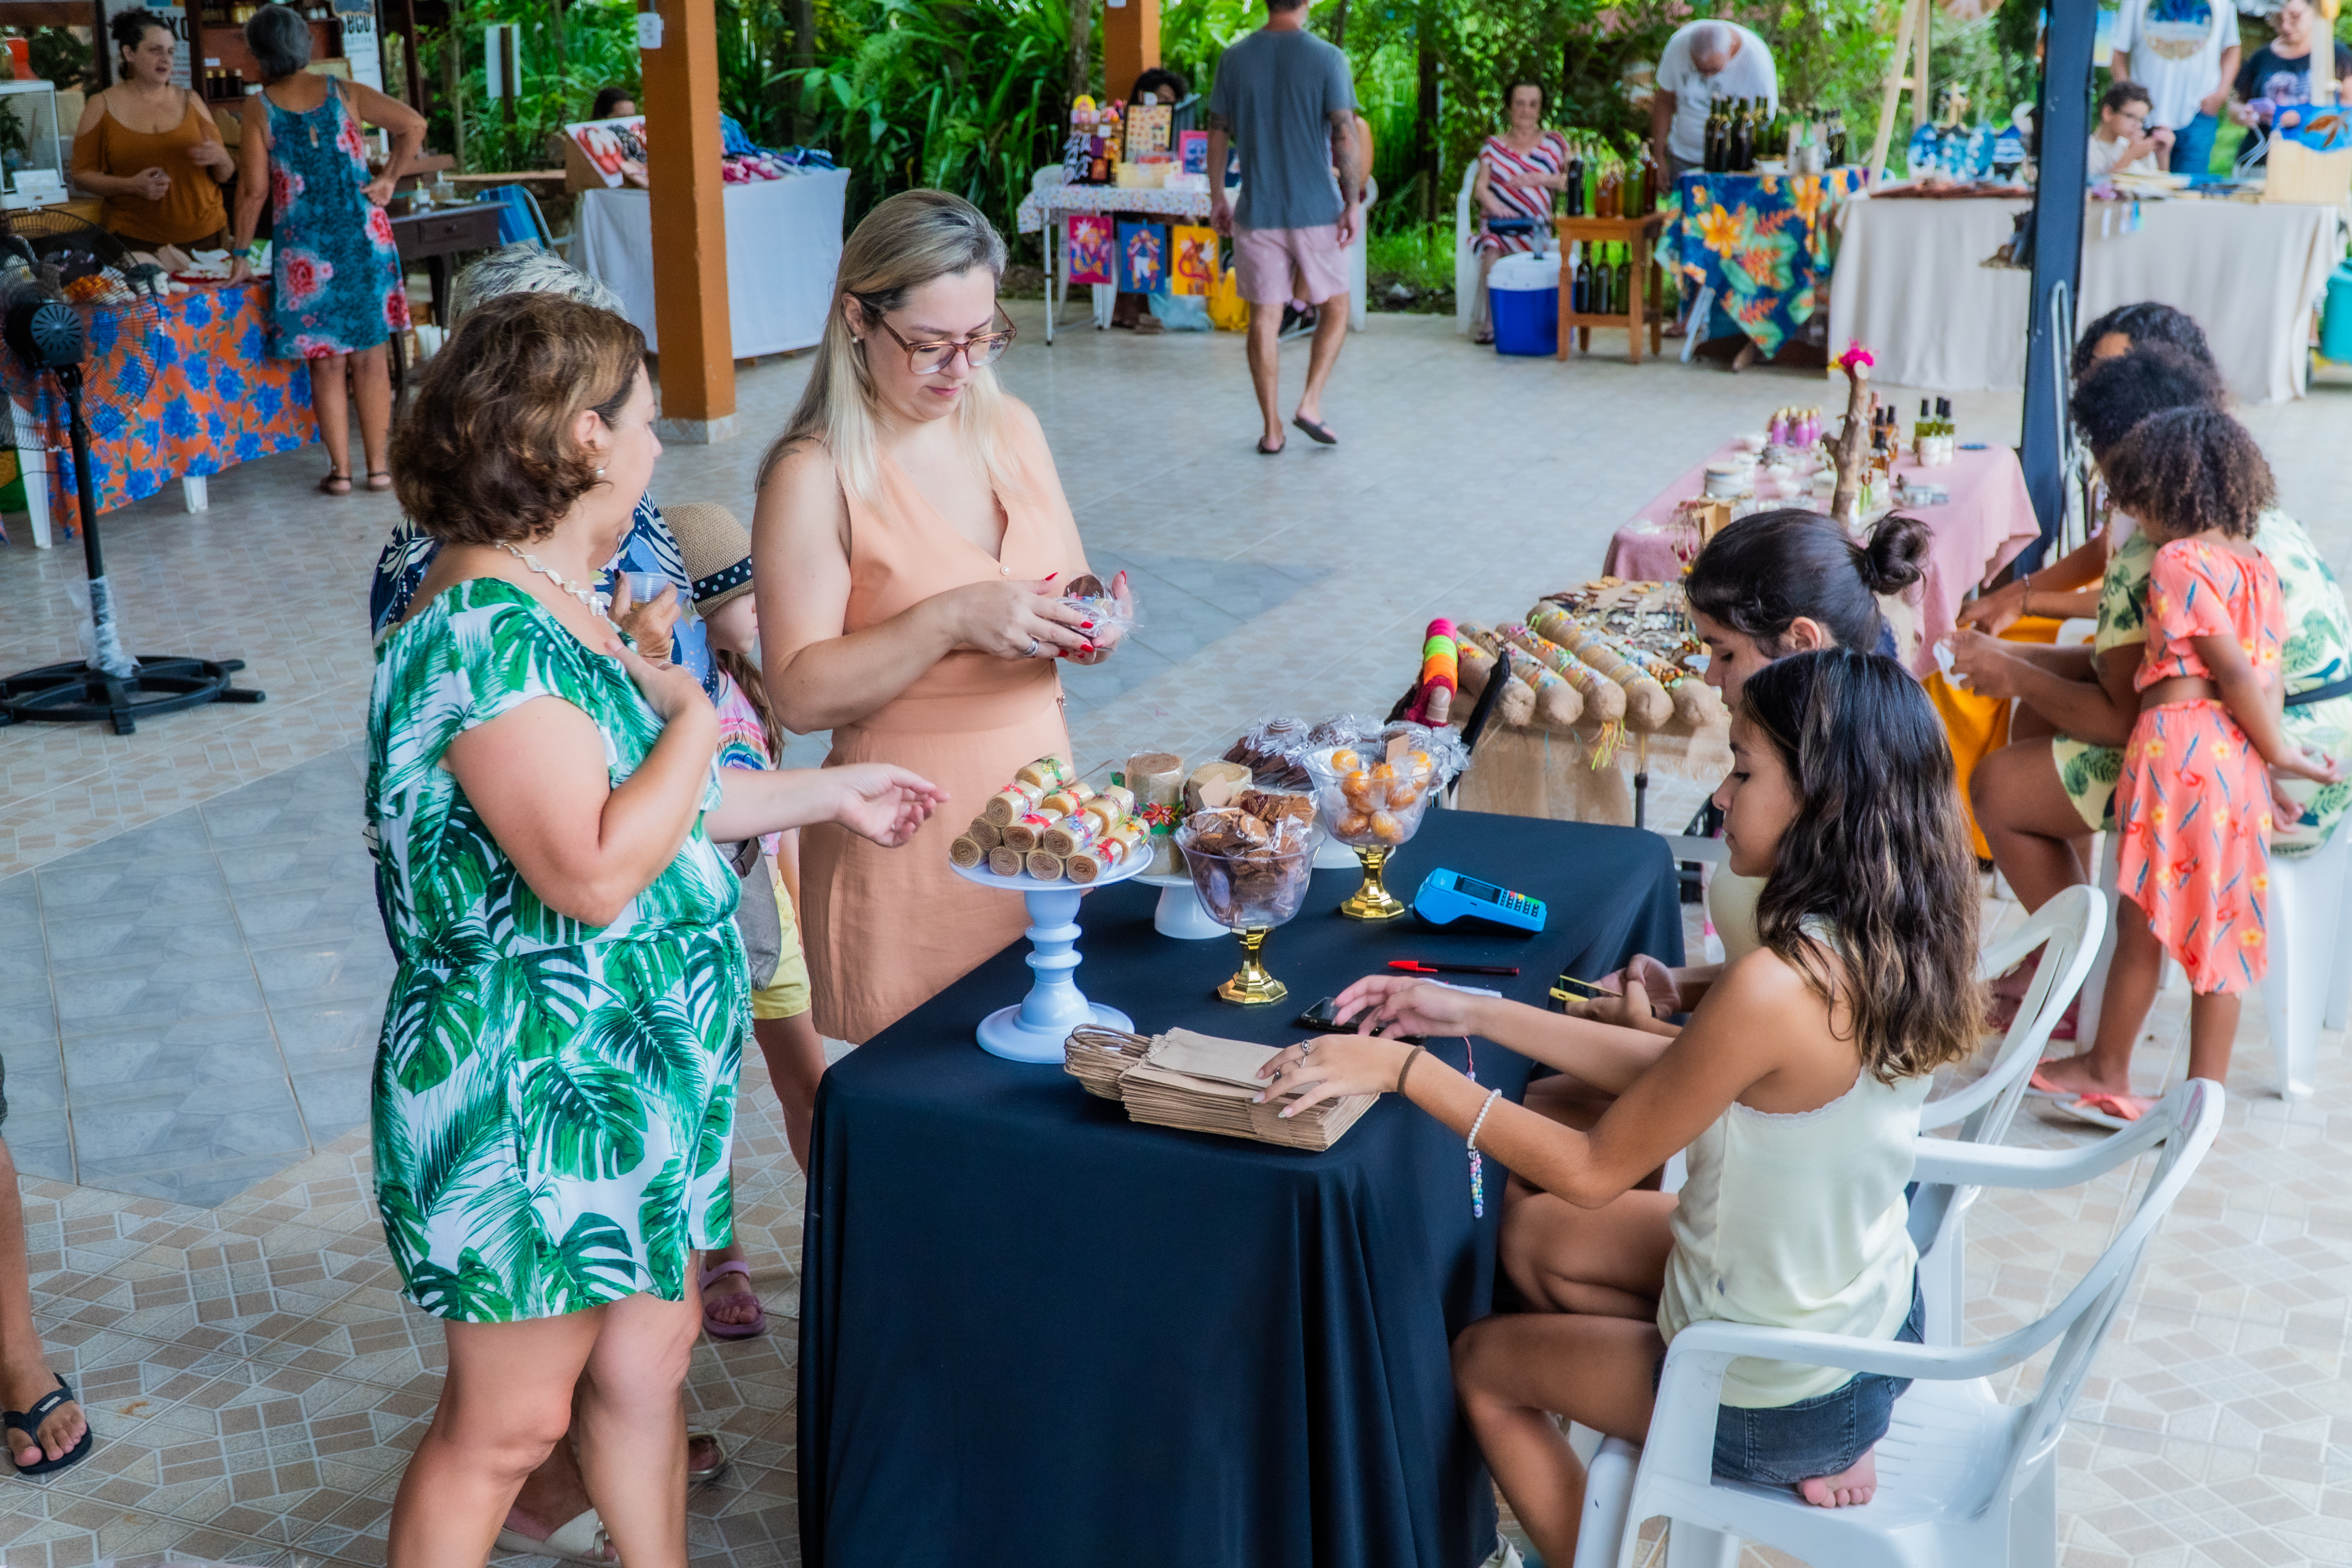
x,y
909,547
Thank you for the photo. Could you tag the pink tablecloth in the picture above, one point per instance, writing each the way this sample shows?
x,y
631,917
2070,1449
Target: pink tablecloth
x,y
1987,521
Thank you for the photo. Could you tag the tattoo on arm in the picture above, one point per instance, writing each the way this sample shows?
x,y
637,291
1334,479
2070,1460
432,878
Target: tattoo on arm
x,y
1346,156
1219,122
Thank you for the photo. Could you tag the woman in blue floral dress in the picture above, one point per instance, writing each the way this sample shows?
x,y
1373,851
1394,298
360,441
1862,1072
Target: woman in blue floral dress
x,y
335,264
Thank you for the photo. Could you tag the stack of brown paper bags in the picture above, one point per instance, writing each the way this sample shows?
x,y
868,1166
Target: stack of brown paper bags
x,y
1204,1084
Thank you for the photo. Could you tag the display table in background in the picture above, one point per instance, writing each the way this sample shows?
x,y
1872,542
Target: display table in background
x,y
1764,243
1033,1332
783,247
219,400
1051,200
1909,284
1987,521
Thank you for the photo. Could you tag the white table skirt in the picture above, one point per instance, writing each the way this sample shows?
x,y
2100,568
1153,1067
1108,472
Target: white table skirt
x,y
1908,284
783,247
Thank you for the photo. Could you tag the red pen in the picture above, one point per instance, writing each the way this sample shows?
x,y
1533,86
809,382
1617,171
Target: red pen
x,y
1415,966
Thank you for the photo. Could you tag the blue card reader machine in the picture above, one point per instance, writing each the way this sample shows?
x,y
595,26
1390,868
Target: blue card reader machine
x,y
1446,897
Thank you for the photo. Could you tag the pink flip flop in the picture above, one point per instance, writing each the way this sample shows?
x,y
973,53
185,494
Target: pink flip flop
x,y
2112,1111
718,1331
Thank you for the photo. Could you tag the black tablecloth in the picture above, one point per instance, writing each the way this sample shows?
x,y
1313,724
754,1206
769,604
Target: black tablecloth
x,y
1035,1333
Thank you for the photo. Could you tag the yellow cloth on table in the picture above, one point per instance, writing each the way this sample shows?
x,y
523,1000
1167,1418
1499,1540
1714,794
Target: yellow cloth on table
x,y
1979,726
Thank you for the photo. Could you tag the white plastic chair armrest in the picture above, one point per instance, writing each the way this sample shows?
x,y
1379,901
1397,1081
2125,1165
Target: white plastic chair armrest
x,y
1955,1163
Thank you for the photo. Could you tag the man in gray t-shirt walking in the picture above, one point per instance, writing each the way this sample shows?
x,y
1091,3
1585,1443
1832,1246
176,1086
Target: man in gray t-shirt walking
x,y
1283,96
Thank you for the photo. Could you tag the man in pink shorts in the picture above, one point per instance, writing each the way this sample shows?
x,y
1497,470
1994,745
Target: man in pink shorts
x,y
1283,96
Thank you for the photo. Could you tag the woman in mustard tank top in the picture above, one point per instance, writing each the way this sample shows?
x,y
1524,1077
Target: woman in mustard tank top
x,y
150,149
908,549
1794,1093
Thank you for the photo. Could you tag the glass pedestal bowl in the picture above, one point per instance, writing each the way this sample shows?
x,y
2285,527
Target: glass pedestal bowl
x,y
1250,891
1374,805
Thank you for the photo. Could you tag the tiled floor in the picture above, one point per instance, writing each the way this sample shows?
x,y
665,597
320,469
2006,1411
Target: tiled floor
x,y
191,969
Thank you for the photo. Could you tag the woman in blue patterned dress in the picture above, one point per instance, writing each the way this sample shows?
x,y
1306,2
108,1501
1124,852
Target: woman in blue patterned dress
x,y
336,266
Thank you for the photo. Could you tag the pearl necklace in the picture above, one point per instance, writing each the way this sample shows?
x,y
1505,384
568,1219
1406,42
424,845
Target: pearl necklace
x,y
596,599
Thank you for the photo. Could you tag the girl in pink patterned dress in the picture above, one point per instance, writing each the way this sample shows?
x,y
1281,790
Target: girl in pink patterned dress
x,y
1519,175
2194,804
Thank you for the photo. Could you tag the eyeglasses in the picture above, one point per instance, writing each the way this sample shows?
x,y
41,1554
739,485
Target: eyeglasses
x,y
978,352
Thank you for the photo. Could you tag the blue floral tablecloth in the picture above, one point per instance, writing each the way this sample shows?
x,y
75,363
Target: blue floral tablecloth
x,y
1764,243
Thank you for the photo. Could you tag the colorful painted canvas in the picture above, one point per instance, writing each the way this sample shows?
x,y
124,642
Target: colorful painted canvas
x,y
1192,151
1193,270
1143,257
1091,237
1148,129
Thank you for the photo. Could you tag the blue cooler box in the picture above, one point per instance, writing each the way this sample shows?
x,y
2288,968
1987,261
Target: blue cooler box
x,y
1523,293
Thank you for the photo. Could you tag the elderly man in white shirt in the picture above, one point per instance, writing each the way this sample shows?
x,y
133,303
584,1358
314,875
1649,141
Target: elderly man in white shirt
x,y
1705,62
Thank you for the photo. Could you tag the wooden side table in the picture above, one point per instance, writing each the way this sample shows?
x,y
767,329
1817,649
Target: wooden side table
x,y
1640,235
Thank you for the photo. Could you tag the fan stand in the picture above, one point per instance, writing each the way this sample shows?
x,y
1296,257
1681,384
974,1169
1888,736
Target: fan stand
x,y
79,691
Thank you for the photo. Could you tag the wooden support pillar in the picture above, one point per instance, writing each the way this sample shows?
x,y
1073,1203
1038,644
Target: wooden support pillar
x,y
690,220
1130,44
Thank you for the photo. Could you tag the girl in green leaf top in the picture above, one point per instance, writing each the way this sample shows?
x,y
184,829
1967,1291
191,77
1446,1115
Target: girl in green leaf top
x,y
555,1084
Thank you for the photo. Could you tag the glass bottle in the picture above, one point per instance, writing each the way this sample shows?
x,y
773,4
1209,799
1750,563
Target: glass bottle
x,y
1603,305
1837,139
1625,280
1575,186
1742,155
1579,293
1649,184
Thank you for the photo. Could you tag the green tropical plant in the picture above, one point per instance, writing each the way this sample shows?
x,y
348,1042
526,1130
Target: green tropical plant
x,y
964,97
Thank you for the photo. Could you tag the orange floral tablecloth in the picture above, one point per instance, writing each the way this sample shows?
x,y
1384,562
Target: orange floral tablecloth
x,y
219,399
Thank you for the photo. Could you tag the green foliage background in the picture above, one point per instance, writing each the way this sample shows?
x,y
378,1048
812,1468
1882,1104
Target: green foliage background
x,y
971,95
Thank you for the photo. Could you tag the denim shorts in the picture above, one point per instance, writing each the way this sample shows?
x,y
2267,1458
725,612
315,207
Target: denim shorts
x,y
1781,1445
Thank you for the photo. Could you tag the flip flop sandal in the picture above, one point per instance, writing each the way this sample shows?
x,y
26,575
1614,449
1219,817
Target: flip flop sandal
x,y
1315,432
718,1331
28,1422
2040,1087
580,1538
327,486
694,1477
1266,451
375,474
2113,1111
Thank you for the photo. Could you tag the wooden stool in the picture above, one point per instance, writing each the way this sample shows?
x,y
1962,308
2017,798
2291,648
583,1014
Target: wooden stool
x,y
1637,234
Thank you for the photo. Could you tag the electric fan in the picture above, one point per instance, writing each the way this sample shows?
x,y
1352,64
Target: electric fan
x,y
77,322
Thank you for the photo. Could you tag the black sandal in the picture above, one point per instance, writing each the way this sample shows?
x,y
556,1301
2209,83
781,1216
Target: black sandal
x,y
28,1422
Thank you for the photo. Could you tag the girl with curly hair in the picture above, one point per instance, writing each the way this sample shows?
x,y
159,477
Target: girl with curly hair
x,y
2194,804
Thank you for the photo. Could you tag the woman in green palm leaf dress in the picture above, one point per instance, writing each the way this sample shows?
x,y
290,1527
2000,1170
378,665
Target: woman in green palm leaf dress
x,y
555,1083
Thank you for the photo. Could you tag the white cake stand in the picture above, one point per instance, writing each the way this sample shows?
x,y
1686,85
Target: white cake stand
x,y
1035,1030
1181,913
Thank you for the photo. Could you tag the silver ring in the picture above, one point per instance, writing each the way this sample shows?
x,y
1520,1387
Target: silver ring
x,y
1031,651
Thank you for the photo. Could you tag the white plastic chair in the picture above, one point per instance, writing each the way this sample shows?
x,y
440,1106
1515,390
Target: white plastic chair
x,y
2067,929
1359,261
1963,1479
1465,260
2306,971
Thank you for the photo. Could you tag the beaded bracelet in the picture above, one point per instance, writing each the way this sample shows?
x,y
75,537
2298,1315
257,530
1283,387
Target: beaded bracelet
x,y
1477,1174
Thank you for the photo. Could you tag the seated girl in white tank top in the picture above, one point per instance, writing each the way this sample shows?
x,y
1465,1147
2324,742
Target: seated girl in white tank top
x,y
1795,1089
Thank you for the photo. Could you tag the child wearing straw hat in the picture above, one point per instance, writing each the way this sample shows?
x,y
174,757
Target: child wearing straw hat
x,y
716,551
